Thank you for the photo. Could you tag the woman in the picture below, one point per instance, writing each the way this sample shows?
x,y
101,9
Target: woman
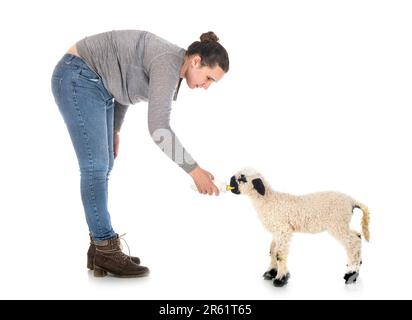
x,y
94,83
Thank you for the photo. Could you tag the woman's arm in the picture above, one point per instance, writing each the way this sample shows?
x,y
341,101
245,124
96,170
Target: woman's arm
x,y
119,114
163,81
162,84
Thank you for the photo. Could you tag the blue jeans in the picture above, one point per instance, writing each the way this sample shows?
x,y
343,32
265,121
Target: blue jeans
x,y
87,109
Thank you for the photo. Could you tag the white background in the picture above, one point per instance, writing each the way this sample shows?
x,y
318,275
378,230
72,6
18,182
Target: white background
x,y
318,97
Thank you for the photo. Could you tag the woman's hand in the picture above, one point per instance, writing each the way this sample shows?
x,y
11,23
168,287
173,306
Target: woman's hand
x,y
203,181
116,142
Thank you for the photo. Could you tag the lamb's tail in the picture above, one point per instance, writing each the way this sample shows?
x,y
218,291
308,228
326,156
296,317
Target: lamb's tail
x,y
365,219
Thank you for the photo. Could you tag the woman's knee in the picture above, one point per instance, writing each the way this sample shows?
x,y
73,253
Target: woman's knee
x,y
95,170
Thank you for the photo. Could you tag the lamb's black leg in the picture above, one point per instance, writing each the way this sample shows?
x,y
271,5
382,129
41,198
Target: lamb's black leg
x,y
351,277
269,275
282,281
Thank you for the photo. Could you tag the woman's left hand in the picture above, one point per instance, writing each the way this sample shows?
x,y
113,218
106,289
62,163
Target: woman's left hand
x,y
116,142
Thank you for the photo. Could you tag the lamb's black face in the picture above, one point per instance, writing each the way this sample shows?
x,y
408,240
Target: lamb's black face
x,y
248,181
234,183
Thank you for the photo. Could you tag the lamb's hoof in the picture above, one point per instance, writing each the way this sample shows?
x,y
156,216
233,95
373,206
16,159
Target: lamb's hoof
x,y
269,275
282,281
351,277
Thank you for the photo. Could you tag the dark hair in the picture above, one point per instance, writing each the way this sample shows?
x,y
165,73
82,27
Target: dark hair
x,y
210,50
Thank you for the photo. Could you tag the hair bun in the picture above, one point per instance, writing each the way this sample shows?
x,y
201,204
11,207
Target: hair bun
x,y
209,37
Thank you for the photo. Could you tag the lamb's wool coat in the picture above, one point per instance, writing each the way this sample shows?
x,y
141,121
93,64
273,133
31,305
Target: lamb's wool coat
x,y
282,214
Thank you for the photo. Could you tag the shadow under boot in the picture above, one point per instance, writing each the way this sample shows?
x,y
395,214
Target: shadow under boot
x,y
109,258
92,251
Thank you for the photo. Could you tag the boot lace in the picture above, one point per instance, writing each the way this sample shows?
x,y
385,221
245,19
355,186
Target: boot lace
x,y
118,254
128,248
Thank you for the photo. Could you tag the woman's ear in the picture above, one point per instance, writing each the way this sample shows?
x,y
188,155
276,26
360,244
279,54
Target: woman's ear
x,y
196,61
258,185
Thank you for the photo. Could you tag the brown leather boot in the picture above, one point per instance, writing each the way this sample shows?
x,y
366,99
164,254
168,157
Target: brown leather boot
x,y
92,251
109,258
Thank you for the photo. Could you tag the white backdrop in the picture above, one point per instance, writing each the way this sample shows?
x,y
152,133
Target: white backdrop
x,y
318,97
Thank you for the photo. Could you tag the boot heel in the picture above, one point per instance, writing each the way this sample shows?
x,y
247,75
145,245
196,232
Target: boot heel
x,y
90,266
99,273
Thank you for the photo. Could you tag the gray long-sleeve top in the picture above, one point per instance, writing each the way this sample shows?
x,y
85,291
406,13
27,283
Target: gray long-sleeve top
x,y
140,66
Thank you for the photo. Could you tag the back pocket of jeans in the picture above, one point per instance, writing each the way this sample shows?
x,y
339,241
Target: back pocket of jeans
x,y
89,75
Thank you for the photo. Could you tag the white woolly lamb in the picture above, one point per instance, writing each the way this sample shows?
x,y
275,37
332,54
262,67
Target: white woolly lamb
x,y
282,214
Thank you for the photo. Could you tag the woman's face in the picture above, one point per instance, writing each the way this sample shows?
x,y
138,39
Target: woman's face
x,y
198,76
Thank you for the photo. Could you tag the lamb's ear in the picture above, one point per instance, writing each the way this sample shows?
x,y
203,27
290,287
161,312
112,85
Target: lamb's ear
x,y
258,185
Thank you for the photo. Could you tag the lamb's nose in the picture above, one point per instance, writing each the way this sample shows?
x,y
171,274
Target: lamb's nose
x,y
233,182
234,185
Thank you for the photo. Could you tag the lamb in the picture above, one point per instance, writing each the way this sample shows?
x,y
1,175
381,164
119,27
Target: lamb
x,y
282,214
